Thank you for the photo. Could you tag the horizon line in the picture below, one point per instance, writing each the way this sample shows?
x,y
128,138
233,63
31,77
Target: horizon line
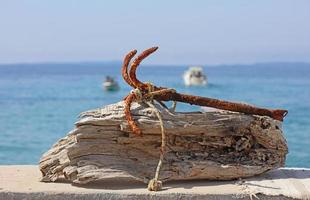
x,y
150,64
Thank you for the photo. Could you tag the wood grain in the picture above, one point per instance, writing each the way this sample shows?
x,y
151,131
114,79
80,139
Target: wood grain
x,y
217,145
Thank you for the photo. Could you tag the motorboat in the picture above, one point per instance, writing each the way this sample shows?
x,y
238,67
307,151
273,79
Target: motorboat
x,y
195,76
110,84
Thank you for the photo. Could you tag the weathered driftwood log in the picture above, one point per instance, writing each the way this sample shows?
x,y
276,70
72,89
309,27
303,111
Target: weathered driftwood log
x,y
217,145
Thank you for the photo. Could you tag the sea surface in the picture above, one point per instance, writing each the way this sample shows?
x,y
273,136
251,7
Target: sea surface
x,y
39,103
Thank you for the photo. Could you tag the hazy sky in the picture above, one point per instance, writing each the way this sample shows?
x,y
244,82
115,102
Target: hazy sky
x,y
188,32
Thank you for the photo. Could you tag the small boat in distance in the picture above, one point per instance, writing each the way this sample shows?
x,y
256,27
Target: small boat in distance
x,y
195,76
110,84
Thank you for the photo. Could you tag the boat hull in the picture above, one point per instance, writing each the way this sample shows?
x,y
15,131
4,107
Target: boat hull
x,y
108,86
194,81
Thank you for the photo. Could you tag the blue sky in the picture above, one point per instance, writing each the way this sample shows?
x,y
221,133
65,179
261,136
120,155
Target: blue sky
x,y
188,32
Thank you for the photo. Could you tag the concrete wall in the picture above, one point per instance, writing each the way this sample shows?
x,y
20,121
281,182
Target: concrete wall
x,y
22,182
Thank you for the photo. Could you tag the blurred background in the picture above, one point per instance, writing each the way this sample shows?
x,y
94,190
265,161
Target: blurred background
x,y
55,57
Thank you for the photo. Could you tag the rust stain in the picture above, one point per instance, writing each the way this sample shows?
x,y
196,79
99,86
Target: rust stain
x,y
164,94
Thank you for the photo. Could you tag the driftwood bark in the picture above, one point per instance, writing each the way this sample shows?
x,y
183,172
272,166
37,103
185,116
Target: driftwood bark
x,y
217,145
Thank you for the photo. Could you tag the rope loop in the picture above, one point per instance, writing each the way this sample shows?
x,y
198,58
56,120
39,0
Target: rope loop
x,y
147,96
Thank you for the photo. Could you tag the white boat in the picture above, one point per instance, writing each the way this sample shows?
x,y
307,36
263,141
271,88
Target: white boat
x,y
110,84
195,76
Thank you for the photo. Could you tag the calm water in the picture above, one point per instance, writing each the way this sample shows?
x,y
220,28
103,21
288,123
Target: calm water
x,y
40,103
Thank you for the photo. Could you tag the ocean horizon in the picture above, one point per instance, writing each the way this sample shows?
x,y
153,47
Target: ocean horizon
x,y
40,102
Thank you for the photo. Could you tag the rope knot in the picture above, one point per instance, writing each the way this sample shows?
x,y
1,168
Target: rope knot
x,y
138,94
144,95
150,87
155,185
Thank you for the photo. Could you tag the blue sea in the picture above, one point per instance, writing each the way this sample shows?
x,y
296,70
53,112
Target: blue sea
x,y
39,103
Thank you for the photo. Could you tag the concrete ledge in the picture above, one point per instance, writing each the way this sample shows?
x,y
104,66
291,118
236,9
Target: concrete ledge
x,y
22,182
